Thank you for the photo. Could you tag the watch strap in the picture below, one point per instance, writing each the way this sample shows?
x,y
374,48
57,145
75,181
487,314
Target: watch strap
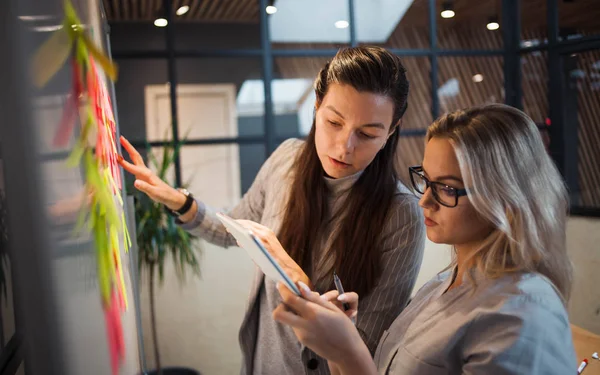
x,y
189,200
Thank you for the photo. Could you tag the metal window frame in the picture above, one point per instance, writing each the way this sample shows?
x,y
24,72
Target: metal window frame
x,y
561,148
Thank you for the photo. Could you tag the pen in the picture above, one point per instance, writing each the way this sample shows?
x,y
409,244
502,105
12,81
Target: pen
x,y
582,366
340,289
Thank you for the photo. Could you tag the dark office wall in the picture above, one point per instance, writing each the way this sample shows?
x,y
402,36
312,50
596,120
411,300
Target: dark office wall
x,y
138,36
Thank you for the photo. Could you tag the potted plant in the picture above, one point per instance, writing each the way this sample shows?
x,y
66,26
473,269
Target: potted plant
x,y
158,237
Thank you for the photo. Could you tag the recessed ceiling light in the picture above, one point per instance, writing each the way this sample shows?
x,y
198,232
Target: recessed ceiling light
x,y
447,11
342,24
160,22
271,9
182,10
447,14
478,78
493,24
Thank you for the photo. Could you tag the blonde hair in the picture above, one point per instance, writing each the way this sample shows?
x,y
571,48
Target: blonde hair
x,y
512,183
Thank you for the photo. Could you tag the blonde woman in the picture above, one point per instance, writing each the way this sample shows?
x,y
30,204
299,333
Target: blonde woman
x,y
490,190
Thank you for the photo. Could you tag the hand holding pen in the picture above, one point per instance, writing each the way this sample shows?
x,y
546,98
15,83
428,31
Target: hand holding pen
x,y
349,300
340,289
346,302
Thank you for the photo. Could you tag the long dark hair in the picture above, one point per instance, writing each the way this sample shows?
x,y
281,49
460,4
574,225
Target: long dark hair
x,y
357,245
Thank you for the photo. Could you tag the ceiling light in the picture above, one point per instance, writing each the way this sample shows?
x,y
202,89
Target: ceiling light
x,y
447,14
182,10
493,26
271,9
447,10
477,78
493,23
341,24
160,22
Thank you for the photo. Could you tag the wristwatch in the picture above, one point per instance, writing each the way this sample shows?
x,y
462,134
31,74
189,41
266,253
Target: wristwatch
x,y
189,200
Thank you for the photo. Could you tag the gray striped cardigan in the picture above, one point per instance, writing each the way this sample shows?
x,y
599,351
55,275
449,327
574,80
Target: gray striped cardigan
x,y
404,238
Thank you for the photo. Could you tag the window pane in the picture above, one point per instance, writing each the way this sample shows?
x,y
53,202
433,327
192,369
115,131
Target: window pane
x,y
410,153
468,81
217,24
534,82
252,157
403,24
534,71
534,22
474,24
153,158
230,168
293,94
216,175
418,113
581,101
134,76
240,78
211,99
310,24
577,19
217,98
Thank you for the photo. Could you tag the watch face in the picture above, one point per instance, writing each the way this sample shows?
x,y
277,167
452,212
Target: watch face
x,y
184,191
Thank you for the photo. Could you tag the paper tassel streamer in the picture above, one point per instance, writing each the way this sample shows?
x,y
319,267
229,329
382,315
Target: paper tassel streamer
x,y
89,101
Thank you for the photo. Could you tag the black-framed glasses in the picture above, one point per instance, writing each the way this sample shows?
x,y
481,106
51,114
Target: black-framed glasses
x,y
443,194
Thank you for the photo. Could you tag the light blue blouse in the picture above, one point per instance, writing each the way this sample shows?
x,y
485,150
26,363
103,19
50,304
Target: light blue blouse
x,y
516,324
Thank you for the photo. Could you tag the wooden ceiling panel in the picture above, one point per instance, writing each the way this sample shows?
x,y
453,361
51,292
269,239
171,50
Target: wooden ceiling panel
x,y
231,11
581,15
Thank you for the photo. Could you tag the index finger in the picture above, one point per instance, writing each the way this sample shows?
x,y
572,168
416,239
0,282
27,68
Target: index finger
x,y
139,171
332,295
133,153
349,297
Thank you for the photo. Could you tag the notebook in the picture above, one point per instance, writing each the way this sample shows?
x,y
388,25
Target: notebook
x,y
257,251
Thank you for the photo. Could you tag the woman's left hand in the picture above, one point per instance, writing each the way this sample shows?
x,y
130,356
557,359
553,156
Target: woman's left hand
x,y
272,244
